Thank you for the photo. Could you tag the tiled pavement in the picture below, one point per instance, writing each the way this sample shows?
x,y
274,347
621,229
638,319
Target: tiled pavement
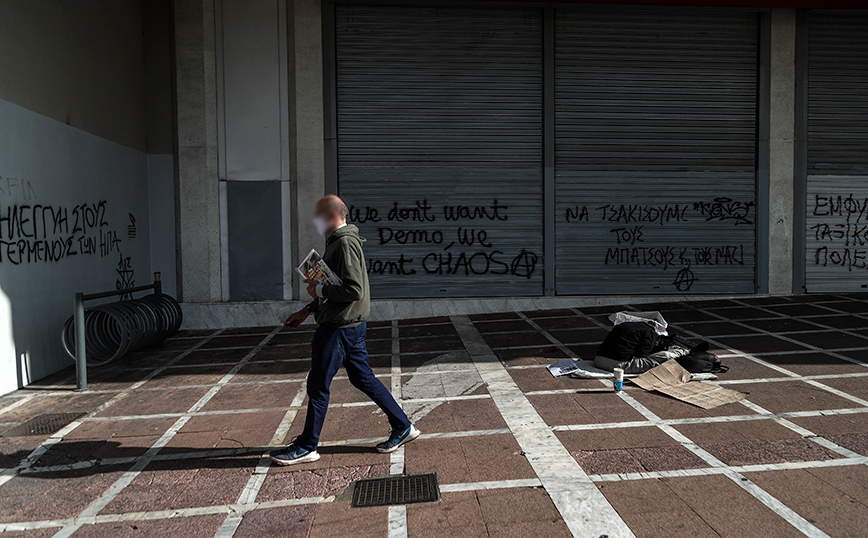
x,y
172,439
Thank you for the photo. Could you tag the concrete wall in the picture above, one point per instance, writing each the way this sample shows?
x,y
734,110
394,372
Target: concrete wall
x,y
86,95
78,62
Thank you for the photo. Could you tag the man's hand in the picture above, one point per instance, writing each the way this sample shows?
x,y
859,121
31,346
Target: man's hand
x,y
311,288
296,319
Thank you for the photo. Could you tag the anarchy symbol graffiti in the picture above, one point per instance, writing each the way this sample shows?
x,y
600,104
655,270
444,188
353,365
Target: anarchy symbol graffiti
x,y
524,264
684,279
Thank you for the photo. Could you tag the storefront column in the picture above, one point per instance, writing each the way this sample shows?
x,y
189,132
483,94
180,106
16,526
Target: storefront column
x,y
307,159
781,150
198,206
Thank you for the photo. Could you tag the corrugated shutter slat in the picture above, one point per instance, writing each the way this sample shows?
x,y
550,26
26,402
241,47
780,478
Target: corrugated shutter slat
x,y
443,106
836,257
656,113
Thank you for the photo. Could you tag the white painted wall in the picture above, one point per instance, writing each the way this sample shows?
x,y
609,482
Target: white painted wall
x,y
46,163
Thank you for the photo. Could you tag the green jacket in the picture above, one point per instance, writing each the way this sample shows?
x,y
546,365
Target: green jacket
x,y
349,304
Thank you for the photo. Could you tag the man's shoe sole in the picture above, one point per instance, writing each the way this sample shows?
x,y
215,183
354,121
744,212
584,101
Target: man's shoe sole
x,y
413,435
313,456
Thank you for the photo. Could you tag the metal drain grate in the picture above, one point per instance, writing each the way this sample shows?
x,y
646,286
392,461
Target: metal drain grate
x,y
419,488
43,424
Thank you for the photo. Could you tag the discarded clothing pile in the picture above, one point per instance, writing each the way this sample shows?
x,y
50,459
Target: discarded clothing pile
x,y
641,340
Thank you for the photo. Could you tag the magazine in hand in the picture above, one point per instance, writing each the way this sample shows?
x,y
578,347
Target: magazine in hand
x,y
314,268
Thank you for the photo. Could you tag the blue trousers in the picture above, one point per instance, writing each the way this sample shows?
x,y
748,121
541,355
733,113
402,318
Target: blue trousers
x,y
331,348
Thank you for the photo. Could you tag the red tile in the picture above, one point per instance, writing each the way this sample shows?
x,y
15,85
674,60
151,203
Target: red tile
x,y
263,396
209,356
225,431
734,512
641,497
248,341
69,452
337,519
851,480
507,507
15,449
835,424
616,438
759,344
155,402
829,339
735,432
275,370
33,533
459,415
781,397
857,442
456,515
193,375
55,495
589,408
344,423
524,529
667,458
743,368
429,344
829,508
854,386
686,524
515,339
569,322
290,521
178,527
439,361
40,405
282,353
468,459
532,379
504,325
814,364
764,452
173,484
291,338
107,429
547,354
607,461
299,481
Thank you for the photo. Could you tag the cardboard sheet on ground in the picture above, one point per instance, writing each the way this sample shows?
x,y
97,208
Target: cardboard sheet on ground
x,y
673,380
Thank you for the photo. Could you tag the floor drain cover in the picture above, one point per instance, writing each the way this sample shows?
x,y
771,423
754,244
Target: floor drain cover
x,y
43,424
419,488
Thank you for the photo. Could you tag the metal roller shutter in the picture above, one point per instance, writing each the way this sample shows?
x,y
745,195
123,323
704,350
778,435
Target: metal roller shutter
x,y
439,121
656,121
837,204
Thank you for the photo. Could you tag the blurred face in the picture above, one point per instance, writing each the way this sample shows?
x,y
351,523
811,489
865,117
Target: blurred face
x,y
326,219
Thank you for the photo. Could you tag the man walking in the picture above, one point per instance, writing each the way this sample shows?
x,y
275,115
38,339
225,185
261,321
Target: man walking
x,y
340,312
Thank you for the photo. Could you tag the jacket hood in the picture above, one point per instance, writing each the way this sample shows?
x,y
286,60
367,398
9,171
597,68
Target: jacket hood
x,y
348,230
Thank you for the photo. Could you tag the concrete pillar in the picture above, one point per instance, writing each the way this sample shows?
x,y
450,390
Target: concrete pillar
x,y
307,148
198,206
782,108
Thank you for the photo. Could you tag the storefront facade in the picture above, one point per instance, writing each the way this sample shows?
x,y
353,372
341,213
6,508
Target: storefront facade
x,y
524,150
